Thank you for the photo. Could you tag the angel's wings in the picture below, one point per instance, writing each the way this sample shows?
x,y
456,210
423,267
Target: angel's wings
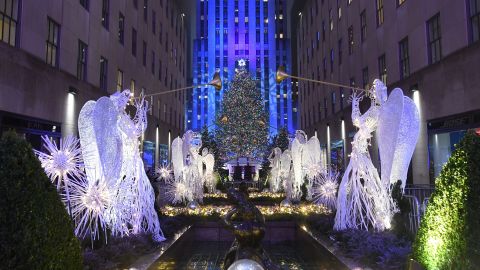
x,y
285,162
109,143
209,161
177,157
311,154
297,148
397,135
88,141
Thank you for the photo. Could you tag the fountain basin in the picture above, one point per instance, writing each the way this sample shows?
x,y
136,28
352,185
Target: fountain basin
x,y
204,246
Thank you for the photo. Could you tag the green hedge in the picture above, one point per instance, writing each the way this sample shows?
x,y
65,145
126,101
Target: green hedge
x,y
35,229
449,234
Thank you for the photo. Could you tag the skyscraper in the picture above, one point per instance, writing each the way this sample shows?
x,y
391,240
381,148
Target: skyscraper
x,y
230,30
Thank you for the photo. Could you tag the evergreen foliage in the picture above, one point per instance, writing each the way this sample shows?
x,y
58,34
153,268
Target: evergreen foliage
x,y
209,142
449,235
281,140
35,229
242,124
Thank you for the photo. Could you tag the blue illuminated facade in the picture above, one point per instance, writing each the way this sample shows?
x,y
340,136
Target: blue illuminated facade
x,y
229,30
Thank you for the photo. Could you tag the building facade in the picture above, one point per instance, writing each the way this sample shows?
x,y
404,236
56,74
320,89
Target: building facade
x,y
57,54
430,49
230,30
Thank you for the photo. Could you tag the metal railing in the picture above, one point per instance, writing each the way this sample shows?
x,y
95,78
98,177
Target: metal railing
x,y
417,196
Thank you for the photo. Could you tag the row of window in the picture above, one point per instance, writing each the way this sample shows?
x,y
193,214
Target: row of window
x,y
434,49
9,32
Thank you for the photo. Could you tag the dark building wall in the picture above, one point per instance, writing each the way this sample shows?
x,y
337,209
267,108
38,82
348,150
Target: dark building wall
x,y
447,87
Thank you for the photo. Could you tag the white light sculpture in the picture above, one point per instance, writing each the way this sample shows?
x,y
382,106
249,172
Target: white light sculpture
x,y
63,164
110,148
209,179
189,175
286,174
325,188
364,198
90,201
164,173
275,179
307,162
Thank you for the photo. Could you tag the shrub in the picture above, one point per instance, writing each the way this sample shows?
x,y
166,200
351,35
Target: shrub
x,y
35,229
449,236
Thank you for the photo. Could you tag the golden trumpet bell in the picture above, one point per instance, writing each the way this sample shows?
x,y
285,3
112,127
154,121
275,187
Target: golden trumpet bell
x,y
224,119
216,81
281,74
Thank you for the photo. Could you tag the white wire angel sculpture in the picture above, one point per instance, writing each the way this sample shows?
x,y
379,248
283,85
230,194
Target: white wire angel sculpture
x,y
363,200
110,147
275,179
307,163
188,169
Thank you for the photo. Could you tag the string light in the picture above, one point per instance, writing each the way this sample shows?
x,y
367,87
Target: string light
x,y
267,211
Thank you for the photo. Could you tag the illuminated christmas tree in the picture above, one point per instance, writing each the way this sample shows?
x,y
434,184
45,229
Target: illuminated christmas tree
x,y
242,129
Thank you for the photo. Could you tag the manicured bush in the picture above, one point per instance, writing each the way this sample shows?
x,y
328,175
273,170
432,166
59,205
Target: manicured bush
x,y
449,234
35,229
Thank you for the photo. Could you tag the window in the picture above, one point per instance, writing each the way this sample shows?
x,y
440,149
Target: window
x,y
333,102
145,10
365,77
350,40
119,80
82,61
474,12
331,60
324,68
160,33
154,22
318,39
52,43
135,4
325,109
349,2
363,25
103,73
404,60
144,55
134,42
121,28
323,30
400,2
105,13
85,3
380,17
153,62
382,68
340,52
330,19
9,21
434,39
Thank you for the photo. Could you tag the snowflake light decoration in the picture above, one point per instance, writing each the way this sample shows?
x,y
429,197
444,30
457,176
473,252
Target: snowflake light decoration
x,y
90,201
61,162
178,192
164,173
325,188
